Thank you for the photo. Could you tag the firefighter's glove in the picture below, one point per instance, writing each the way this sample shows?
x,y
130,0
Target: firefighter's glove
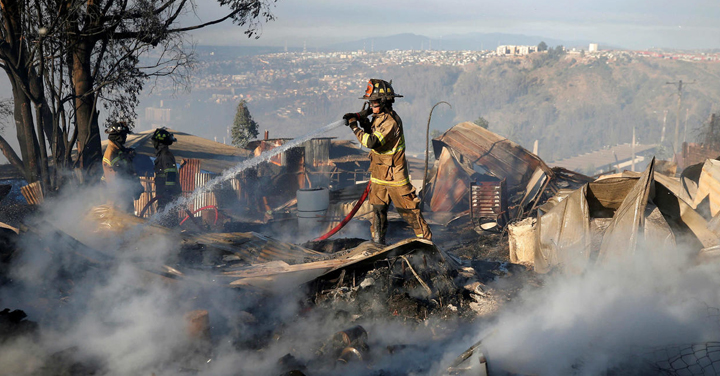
x,y
364,113
350,116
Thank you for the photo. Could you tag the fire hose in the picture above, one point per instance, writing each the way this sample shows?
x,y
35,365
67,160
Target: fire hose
x,y
142,213
201,209
347,217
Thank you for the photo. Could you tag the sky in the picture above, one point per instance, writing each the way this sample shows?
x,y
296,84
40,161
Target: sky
x,y
634,24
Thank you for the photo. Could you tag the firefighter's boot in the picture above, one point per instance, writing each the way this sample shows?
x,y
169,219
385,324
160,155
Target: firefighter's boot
x,y
379,224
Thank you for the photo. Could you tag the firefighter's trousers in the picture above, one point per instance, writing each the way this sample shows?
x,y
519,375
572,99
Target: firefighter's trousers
x,y
407,204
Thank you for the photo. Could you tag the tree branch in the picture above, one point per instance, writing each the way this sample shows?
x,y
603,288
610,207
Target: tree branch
x,y
189,28
10,154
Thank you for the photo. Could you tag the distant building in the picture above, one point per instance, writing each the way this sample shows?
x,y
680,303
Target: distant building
x,y
158,115
515,50
593,48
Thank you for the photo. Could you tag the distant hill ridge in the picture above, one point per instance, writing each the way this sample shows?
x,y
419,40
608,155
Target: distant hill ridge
x,y
453,42
406,41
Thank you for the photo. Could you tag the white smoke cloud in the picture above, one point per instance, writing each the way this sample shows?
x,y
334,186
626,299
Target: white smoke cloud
x,y
611,316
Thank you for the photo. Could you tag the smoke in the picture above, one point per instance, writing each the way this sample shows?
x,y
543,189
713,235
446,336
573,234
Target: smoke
x,y
252,162
115,318
612,317
109,316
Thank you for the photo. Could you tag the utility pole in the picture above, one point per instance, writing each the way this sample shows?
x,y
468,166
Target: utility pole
x,y
679,86
687,114
632,151
662,134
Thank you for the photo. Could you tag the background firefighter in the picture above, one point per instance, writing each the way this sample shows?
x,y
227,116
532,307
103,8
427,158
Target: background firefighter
x,y
167,186
388,166
122,184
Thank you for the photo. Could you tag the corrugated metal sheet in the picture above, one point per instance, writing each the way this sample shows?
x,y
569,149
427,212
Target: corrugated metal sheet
x,y
317,152
253,247
33,193
449,186
501,157
148,184
205,199
236,187
187,173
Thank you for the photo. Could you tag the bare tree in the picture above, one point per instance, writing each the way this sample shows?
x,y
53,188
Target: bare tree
x,y
65,58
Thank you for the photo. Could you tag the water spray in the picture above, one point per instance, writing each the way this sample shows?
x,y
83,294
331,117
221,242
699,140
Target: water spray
x,y
242,166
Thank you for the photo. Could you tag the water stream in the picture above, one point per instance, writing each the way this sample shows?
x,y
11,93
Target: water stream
x,y
240,167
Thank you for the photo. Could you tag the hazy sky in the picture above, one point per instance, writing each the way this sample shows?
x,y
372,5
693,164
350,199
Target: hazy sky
x,y
627,23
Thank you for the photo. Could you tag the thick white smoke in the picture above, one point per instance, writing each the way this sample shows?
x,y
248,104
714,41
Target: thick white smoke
x,y
612,317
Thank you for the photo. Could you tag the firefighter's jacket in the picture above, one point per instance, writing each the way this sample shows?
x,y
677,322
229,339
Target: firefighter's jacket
x,y
117,161
167,183
386,140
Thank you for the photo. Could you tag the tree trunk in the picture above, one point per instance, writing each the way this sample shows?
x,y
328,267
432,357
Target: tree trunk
x,y
25,132
89,148
45,118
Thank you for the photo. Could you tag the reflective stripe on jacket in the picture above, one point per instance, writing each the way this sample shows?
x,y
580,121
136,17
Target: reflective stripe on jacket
x,y
166,173
386,140
116,161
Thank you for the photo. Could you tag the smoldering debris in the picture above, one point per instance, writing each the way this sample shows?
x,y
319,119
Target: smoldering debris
x,y
601,277
111,298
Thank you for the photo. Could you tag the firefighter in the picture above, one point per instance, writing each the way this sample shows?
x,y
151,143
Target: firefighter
x,y
390,181
119,176
167,186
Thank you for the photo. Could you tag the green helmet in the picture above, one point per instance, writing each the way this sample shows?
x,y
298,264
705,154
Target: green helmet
x,y
162,136
380,90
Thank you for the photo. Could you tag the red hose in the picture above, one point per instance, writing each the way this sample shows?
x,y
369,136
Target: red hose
x,y
347,217
201,209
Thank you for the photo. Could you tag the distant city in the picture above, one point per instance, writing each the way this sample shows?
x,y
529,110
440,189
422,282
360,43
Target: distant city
x,y
279,86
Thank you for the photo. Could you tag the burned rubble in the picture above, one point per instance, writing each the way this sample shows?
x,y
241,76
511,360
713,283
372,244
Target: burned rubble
x,y
518,249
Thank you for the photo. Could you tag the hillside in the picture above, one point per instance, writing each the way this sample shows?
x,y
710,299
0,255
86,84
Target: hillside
x,y
570,103
570,106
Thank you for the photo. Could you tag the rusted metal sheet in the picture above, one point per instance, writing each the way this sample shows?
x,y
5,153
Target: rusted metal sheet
x,y
278,275
693,153
317,151
188,170
450,185
33,193
501,157
488,203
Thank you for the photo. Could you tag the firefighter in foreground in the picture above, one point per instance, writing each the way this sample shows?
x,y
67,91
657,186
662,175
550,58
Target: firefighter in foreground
x,y
389,177
167,186
119,176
